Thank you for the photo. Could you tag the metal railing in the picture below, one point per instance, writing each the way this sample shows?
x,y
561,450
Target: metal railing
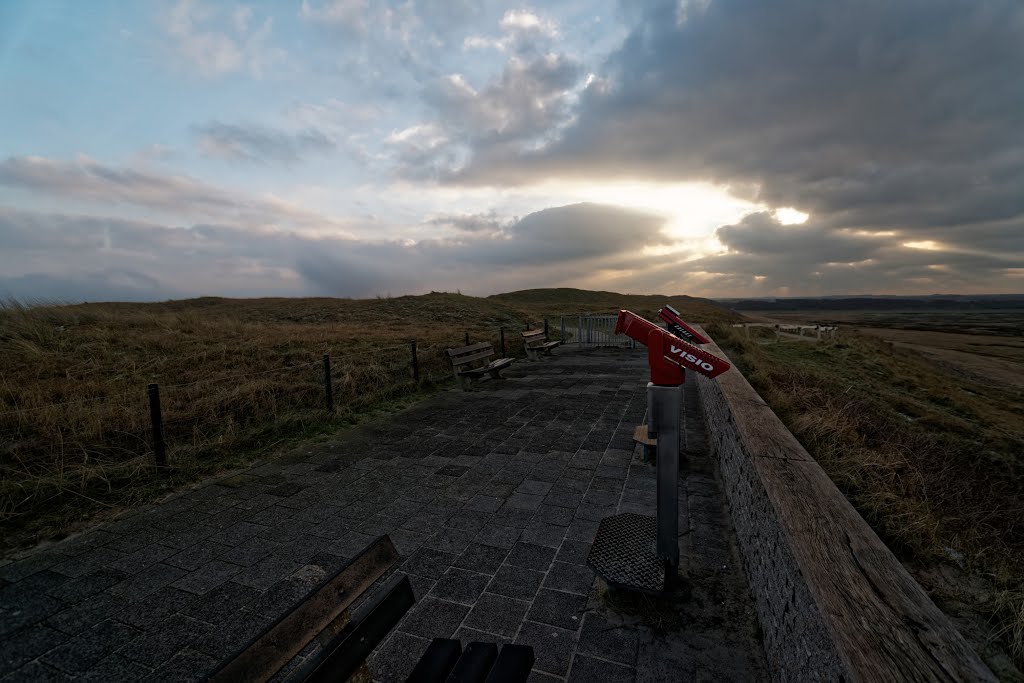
x,y
592,330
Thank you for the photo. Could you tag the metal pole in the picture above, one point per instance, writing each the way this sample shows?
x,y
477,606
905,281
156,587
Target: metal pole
x,y
157,420
579,330
501,332
546,330
415,362
664,403
328,385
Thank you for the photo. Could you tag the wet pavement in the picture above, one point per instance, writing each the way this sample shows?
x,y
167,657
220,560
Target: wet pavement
x,y
492,498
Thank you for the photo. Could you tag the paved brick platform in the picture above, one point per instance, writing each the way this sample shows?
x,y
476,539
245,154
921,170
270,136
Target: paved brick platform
x,y
492,497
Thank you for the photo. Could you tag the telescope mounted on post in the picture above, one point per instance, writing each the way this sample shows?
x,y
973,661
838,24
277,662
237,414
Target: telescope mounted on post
x,y
640,552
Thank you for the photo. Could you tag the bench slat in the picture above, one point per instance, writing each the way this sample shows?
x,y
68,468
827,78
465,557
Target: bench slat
x,y
278,644
345,653
472,357
468,349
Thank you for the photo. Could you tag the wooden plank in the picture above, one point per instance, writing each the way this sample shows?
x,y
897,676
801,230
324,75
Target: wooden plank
x,y
462,360
279,643
530,334
883,624
468,349
642,435
345,653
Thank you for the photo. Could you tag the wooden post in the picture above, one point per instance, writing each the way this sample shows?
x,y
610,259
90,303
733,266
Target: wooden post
x,y
561,328
328,384
546,330
467,338
415,362
157,421
501,333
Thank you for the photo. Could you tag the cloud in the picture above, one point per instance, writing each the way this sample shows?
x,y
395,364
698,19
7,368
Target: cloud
x,y
216,43
178,196
259,144
557,245
345,15
868,115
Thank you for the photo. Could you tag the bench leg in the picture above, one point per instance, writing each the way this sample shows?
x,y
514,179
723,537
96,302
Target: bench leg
x,y
531,354
496,374
465,381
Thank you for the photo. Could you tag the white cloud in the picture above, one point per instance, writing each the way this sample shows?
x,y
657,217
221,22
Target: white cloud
x,y
345,14
217,43
522,20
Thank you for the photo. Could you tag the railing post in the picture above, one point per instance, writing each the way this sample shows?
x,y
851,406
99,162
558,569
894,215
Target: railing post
x,y
415,362
561,328
157,421
501,333
579,330
328,384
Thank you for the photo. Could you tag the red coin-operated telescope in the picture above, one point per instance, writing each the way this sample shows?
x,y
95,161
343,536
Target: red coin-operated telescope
x,y
623,552
667,354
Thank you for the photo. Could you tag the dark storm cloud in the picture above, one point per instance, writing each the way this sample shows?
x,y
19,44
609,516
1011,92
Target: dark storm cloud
x,y
259,144
868,114
551,246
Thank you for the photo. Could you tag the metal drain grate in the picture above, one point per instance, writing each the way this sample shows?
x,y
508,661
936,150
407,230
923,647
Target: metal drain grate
x,y
623,553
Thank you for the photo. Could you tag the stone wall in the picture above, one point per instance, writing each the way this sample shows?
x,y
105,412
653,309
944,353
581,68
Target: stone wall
x,y
832,601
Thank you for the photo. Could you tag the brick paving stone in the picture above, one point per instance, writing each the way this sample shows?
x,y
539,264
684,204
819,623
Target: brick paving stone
x,y
141,559
516,582
556,608
156,646
27,644
601,638
117,669
221,604
546,534
573,551
37,672
468,520
534,487
267,571
79,589
483,503
460,585
518,518
433,618
187,666
429,562
531,556
81,652
582,530
524,501
553,647
588,669
249,552
207,577
396,658
497,614
480,558
571,578
450,540
156,607
554,515
196,556
499,536
85,614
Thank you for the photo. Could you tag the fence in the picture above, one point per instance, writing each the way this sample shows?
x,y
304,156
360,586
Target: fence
x,y
57,449
592,330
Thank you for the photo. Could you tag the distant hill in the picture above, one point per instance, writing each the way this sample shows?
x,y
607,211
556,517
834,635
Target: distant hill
x,y
566,300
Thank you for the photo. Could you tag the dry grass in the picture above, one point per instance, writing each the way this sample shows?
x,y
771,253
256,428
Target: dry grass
x,y
932,460
238,379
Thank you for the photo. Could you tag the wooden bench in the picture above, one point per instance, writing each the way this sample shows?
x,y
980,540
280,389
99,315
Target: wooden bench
x,y
535,344
346,637
464,362
446,661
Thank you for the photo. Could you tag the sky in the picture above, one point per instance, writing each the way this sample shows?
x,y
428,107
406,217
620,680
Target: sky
x,y
718,148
